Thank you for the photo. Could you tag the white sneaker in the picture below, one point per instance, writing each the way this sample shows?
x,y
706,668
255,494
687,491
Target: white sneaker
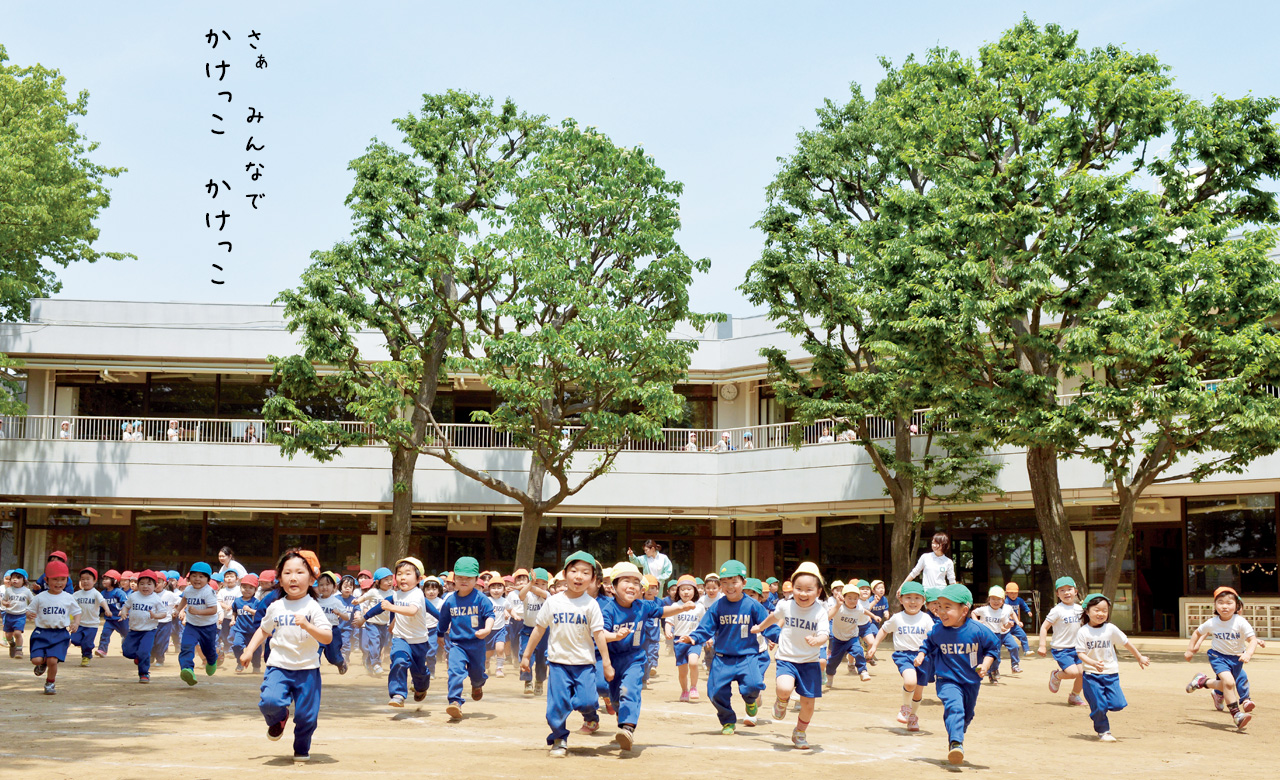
x,y
559,749
866,676
1055,682
904,712
1106,736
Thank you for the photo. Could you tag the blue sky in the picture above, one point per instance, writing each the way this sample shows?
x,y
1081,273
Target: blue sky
x,y
714,91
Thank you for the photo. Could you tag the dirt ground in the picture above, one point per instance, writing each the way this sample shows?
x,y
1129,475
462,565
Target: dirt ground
x,y
103,724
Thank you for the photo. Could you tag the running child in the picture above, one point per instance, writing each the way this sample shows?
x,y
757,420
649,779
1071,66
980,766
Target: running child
x,y
248,616
92,606
166,589
799,670
572,623
681,625
199,604
495,649
297,627
998,617
226,611
118,623
533,594
1234,642
411,639
338,613
432,590
768,640
1020,609
729,621
347,592
376,635
1065,619
17,597
954,647
145,608
467,617
908,628
847,616
57,616
1096,645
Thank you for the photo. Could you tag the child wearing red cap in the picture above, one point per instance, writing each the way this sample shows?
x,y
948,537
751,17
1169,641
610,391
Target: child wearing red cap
x,y
56,555
1234,642
57,616
145,608
118,622
92,607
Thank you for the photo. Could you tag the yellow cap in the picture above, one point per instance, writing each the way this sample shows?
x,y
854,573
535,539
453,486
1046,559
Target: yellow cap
x,y
417,564
623,570
687,579
808,567
837,584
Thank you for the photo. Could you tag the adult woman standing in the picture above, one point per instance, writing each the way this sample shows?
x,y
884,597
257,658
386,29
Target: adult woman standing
x,y
939,571
227,557
653,562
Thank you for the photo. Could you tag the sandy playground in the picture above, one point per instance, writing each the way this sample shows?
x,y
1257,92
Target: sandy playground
x,y
102,724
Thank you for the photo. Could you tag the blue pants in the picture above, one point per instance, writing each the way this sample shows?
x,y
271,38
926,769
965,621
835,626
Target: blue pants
x,y
837,649
807,676
1103,693
465,660
160,646
84,639
300,687
1221,662
569,688
49,643
868,630
1021,636
409,661
958,702
373,640
651,647
1006,640
206,637
224,636
347,631
112,625
728,669
137,647
764,659
905,659
332,652
629,671
537,659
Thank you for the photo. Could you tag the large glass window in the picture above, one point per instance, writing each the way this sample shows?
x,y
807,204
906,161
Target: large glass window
x,y
600,537
851,547
1099,544
10,518
506,536
1245,578
243,396
166,539
248,534
1232,527
190,396
1013,558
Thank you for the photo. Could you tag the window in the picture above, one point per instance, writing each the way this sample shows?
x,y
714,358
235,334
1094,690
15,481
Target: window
x,y
1099,550
600,537
851,547
1245,578
506,535
248,534
1232,527
169,540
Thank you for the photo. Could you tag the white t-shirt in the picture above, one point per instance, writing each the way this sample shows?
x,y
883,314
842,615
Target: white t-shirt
x,y
91,605
571,625
908,631
1100,643
516,606
373,596
938,571
237,567
997,619
1230,637
797,623
436,602
200,598
411,628
19,599
291,647
499,611
845,624
705,601
144,610
226,601
54,611
170,599
1065,620
684,623
335,610
532,603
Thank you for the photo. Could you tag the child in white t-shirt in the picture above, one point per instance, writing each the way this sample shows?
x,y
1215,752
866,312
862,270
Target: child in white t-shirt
x,y
1065,620
909,628
805,631
683,624
1096,645
1000,619
1233,645
495,642
92,606
57,616
411,638
17,597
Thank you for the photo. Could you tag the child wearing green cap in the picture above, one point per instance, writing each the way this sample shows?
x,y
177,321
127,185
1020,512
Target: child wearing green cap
x,y
909,628
533,594
467,617
1064,620
961,651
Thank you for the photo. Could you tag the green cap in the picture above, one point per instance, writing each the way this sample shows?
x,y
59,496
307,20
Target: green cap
x,y
771,581
583,556
909,588
957,593
931,594
541,574
1092,597
466,566
699,581
863,584
1064,582
733,568
754,584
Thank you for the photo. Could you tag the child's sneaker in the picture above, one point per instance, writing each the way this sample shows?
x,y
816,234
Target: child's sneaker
x,y
40,669
209,669
13,649
477,693
1106,736
865,676
377,668
188,676
396,701
799,739
1017,669
871,661
48,689
17,653
559,749
825,680
301,758
499,673
1242,719
1055,682
753,707
84,661
1220,701
913,722
1197,682
693,694
342,667
1076,700
528,688
240,668
537,689
684,696
275,730
607,705
727,729
955,755
1246,704
853,668
904,712
589,727
454,711
779,709
419,695
144,678
625,737
992,677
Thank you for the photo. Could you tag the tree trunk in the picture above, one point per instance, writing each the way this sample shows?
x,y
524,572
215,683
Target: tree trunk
x,y
531,517
403,462
1120,542
901,543
1051,515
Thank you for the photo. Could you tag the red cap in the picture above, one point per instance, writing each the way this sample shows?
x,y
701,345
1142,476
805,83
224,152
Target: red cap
x,y
91,570
364,573
59,554
249,579
147,574
267,576
113,574
128,575
56,569
182,582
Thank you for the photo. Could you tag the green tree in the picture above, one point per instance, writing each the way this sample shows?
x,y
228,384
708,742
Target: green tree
x,y
843,270
577,343
1060,254
50,194
377,314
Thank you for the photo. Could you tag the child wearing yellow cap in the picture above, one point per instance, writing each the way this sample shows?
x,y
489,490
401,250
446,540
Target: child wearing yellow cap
x,y
804,633
411,639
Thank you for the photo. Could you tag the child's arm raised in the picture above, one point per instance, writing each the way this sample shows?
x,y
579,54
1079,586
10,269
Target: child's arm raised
x,y
773,619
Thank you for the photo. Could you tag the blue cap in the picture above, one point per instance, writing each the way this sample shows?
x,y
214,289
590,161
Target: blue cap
x,y
201,568
216,577
382,573
173,575
23,572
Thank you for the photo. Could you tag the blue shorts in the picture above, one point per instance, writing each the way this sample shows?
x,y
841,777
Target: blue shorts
x,y
495,636
1065,657
49,643
1221,662
683,652
808,677
15,622
905,659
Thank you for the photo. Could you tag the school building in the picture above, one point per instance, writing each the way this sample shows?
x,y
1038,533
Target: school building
x,y
188,381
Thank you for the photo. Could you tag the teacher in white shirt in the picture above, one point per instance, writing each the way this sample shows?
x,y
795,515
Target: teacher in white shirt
x,y
653,562
937,569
